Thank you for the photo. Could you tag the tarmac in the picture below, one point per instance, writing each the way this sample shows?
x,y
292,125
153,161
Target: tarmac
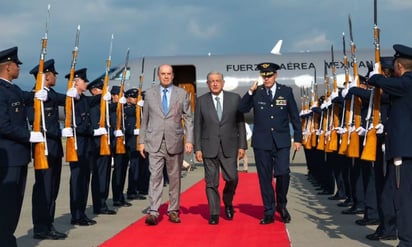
x,y
316,221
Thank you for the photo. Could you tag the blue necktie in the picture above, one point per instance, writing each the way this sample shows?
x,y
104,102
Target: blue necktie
x,y
269,93
218,108
164,101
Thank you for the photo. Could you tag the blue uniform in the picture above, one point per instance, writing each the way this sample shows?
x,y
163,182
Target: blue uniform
x,y
14,157
398,145
271,141
47,181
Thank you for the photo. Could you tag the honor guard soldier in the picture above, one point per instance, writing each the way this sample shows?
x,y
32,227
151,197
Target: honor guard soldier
x,y
135,159
398,142
15,139
47,181
100,164
274,107
120,161
80,170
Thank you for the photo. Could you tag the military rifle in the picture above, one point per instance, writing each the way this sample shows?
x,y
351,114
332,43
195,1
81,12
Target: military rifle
x,y
70,120
40,148
138,107
334,123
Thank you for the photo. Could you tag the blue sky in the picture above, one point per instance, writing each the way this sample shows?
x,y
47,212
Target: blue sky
x,y
183,27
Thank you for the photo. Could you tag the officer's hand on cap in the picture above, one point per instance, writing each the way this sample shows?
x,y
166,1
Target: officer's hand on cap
x,y
67,132
36,136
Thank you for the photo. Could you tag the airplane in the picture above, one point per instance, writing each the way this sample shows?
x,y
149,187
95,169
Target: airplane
x,y
298,70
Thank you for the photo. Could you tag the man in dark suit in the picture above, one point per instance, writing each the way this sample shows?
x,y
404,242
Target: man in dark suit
x,y
15,139
271,139
47,181
162,134
220,138
398,142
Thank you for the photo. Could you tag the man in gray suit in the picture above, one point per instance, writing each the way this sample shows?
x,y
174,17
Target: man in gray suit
x,y
162,134
220,138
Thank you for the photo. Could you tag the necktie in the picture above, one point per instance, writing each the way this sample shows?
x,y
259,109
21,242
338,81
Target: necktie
x,y
218,108
164,101
269,93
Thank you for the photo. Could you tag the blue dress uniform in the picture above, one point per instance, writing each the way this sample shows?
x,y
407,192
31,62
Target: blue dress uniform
x,y
120,161
14,148
80,170
100,164
398,151
47,181
136,162
271,140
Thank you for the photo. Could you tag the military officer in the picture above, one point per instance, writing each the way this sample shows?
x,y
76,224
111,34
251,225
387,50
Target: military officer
x,y
15,139
398,152
274,107
47,181
100,164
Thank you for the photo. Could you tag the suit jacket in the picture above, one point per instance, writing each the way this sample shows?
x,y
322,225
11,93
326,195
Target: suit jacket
x,y
14,129
155,125
272,117
398,126
209,132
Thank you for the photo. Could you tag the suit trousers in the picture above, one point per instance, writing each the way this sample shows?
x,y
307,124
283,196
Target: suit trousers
x,y
173,163
212,167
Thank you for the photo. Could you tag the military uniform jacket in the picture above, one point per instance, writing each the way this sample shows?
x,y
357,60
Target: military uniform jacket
x,y
272,117
210,133
155,125
84,129
398,127
14,130
130,125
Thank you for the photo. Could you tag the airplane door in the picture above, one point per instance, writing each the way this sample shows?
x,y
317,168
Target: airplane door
x,y
185,77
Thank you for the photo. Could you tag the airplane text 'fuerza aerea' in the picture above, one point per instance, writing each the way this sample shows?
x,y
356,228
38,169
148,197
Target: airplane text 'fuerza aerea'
x,y
292,66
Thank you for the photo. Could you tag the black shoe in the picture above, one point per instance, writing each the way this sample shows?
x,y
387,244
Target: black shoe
x,y
136,197
53,234
83,222
377,236
336,197
284,214
367,222
267,220
354,210
346,203
229,212
214,220
122,204
325,192
106,211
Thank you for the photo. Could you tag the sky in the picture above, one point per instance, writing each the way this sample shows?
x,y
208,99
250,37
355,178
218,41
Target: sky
x,y
184,27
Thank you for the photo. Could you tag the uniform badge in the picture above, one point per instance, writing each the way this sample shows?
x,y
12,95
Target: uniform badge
x,y
281,101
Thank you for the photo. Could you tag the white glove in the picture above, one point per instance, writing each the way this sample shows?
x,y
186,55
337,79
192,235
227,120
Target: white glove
x,y
323,105
72,93
122,100
375,70
327,133
118,133
334,94
319,132
305,132
328,103
397,161
361,131
107,96
351,129
36,136
140,103
353,84
99,132
379,128
41,95
345,92
67,132
340,130
136,132
301,113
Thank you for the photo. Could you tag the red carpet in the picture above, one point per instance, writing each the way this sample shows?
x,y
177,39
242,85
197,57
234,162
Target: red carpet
x,y
195,231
